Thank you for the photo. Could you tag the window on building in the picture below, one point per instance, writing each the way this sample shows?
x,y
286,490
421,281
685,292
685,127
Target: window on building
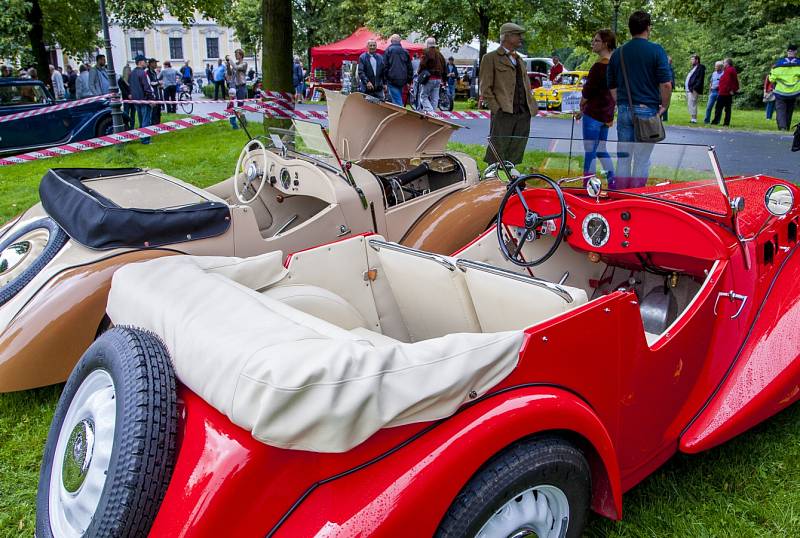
x,y
137,47
176,48
212,47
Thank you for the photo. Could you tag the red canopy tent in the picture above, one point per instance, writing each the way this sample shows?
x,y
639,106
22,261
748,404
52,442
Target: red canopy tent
x,y
350,48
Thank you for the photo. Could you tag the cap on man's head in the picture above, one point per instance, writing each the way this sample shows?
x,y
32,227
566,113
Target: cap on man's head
x,y
140,58
511,28
232,92
792,47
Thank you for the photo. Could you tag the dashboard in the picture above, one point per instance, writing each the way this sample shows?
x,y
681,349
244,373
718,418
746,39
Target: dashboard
x,y
623,226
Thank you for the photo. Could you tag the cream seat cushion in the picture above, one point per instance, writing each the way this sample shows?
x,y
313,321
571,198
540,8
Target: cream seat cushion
x,y
294,380
318,302
503,303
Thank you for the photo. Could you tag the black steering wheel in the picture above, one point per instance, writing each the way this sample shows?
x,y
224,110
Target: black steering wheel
x,y
533,221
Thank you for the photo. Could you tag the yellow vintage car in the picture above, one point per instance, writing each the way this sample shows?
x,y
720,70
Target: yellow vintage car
x,y
550,97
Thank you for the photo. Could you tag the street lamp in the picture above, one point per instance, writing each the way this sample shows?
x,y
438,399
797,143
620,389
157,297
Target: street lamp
x,y
616,14
116,105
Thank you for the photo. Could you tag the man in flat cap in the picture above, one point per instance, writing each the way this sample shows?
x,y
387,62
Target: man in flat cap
x,y
505,88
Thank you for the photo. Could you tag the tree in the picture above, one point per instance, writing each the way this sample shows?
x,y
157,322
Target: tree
x,y
30,25
452,22
277,36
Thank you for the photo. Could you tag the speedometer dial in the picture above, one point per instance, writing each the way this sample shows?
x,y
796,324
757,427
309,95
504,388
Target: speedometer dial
x,y
595,230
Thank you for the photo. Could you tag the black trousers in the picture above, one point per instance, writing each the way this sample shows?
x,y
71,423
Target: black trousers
x,y
219,86
508,133
723,101
169,95
784,106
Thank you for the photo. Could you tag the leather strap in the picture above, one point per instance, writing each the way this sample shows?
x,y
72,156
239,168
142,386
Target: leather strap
x,y
625,77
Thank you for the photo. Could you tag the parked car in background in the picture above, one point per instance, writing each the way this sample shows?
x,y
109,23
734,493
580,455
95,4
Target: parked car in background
x,y
72,124
550,96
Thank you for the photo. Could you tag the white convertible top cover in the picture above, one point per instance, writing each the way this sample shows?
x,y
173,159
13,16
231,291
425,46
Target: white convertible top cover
x,y
294,380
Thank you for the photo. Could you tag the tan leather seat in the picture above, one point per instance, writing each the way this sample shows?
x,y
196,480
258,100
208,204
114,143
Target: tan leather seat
x,y
431,293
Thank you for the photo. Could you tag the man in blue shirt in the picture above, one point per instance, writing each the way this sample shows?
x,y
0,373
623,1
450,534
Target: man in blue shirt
x,y
219,80
650,80
98,76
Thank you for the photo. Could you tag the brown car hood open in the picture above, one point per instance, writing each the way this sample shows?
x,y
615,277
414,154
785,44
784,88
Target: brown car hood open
x,y
366,129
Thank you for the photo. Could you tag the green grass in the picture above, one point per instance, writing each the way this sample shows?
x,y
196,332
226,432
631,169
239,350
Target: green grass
x,y
747,487
741,119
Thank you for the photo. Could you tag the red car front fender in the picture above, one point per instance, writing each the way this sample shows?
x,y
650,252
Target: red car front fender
x,y
408,491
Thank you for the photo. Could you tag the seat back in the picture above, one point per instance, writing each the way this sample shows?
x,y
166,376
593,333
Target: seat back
x,y
320,303
507,301
430,292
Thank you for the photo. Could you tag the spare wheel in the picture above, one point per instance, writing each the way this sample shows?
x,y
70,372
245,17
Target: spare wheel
x,y
111,447
25,252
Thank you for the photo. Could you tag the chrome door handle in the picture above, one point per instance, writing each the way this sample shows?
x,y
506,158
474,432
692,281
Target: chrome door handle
x,y
733,296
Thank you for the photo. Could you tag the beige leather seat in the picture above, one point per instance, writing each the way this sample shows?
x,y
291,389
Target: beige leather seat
x,y
507,301
430,291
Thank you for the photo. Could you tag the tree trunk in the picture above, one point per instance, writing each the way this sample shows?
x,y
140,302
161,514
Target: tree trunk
x,y
36,37
483,31
277,42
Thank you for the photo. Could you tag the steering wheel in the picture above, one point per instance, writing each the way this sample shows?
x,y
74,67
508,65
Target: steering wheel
x,y
533,221
250,172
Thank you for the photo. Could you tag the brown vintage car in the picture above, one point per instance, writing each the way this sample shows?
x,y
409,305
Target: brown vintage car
x,y
379,168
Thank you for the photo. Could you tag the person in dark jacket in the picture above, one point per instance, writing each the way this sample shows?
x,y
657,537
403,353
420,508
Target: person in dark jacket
x,y
142,90
124,84
695,81
597,108
728,86
152,73
371,73
397,68
298,79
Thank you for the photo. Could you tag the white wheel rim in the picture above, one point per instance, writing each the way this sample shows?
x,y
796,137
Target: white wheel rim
x,y
241,179
82,455
541,511
18,256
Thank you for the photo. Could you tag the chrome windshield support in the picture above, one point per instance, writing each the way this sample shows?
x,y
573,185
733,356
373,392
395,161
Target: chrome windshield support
x,y
555,288
377,244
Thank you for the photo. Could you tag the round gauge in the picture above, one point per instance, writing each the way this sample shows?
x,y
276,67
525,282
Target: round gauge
x,y
286,178
595,229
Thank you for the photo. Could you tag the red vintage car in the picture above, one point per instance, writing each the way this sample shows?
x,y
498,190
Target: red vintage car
x,y
367,388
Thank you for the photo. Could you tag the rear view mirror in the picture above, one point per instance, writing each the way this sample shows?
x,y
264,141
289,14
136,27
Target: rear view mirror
x,y
779,200
594,186
498,171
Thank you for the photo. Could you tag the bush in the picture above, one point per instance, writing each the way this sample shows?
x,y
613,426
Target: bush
x,y
208,91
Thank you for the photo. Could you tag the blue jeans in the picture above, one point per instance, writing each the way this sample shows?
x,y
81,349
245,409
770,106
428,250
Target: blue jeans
x,y
145,113
712,99
770,108
451,89
429,95
396,94
595,134
633,163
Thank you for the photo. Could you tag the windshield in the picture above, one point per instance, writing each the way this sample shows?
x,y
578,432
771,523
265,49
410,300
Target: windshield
x,y
22,94
570,79
683,174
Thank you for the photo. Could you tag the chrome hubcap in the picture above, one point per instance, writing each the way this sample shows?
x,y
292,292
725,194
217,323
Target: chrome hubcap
x,y
541,511
18,256
78,455
82,456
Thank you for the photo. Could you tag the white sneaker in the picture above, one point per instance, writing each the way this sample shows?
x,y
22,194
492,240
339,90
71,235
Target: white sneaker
x,y
693,120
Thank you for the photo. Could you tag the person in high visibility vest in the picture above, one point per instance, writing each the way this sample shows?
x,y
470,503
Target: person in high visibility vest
x,y
786,77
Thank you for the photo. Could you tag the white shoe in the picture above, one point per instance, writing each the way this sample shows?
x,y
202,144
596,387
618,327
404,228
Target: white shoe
x,y
693,120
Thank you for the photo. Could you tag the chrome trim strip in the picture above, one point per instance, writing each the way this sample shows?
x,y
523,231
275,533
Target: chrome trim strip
x,y
441,260
555,288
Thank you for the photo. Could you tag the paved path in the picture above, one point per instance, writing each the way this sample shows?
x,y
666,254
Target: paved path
x,y
739,152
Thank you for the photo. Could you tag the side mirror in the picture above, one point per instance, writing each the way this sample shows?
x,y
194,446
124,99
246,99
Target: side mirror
x,y
594,186
779,200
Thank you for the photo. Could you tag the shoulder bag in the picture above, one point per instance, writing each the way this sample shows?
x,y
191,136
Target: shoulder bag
x,y
645,129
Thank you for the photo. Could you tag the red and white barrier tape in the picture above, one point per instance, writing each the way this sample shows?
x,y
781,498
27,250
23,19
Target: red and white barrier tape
x,y
268,108
52,108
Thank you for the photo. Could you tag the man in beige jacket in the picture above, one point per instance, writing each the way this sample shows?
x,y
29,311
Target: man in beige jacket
x,y
505,88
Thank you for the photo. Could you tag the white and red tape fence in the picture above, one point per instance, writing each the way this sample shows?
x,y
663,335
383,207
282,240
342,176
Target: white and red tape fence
x,y
277,105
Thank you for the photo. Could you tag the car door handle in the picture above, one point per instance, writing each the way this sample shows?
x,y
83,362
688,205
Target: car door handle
x,y
733,296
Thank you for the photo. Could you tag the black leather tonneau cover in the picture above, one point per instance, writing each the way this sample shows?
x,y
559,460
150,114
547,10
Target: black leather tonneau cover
x,y
97,222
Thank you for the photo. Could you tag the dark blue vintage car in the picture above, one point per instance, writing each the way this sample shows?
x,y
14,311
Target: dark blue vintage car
x,y
48,129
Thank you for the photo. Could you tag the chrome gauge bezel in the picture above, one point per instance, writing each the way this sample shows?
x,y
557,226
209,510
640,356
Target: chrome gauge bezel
x,y
585,229
286,178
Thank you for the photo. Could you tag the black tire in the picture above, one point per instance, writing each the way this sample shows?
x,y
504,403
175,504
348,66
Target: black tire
x,y
536,461
58,238
104,127
143,452
185,100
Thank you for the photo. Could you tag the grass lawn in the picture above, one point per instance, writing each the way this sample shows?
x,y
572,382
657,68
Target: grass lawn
x,y
745,488
741,119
